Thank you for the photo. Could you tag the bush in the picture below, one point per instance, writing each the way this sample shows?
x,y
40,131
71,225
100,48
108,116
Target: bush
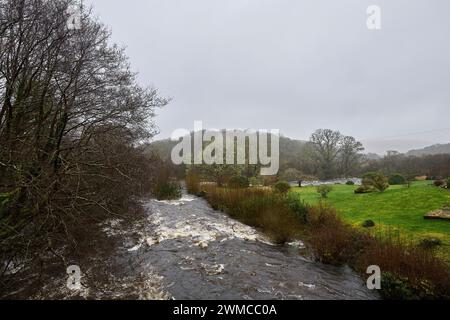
x,y
397,179
430,243
395,287
168,190
412,272
448,183
332,240
258,208
350,183
324,190
298,206
439,183
368,224
375,180
282,187
256,182
364,189
238,182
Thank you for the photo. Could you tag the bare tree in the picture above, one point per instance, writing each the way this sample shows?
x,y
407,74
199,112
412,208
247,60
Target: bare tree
x,y
335,153
326,146
350,155
71,120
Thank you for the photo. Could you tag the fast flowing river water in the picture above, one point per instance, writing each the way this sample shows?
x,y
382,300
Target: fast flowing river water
x,y
199,253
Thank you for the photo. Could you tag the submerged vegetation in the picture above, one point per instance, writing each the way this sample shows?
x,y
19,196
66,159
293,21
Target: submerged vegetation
x,y
167,190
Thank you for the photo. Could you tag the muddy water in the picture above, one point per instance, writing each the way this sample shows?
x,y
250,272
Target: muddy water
x,y
199,253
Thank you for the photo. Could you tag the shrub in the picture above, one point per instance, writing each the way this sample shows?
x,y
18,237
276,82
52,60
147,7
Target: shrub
x,y
439,183
448,183
364,189
395,287
332,240
258,208
324,190
167,190
350,183
238,182
430,243
375,180
368,224
256,182
397,179
282,187
412,272
298,206
380,183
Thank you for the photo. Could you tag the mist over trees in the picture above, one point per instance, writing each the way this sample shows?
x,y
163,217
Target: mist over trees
x,y
71,120
432,166
329,154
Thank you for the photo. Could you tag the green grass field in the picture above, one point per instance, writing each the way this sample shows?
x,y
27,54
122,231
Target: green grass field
x,y
398,210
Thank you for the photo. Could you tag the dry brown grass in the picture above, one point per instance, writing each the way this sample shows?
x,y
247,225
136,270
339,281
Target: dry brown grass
x,y
193,183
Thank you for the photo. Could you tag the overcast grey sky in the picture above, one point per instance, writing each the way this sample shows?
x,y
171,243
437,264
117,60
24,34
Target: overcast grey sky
x,y
294,65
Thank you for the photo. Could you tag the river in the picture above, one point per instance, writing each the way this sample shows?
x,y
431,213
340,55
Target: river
x,y
199,253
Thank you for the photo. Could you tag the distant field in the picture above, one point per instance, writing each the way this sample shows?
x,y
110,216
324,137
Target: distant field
x,y
397,209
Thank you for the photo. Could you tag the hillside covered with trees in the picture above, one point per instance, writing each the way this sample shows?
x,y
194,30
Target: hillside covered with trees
x,y
327,155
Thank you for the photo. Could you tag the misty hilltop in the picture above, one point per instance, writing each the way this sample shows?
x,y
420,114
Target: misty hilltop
x,y
292,149
431,150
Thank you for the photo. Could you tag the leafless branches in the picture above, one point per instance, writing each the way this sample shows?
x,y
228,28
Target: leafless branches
x,y
71,118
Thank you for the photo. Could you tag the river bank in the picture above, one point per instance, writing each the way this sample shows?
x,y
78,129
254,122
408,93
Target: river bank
x,y
186,250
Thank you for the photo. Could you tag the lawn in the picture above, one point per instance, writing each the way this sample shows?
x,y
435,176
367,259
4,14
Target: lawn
x,y
399,210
